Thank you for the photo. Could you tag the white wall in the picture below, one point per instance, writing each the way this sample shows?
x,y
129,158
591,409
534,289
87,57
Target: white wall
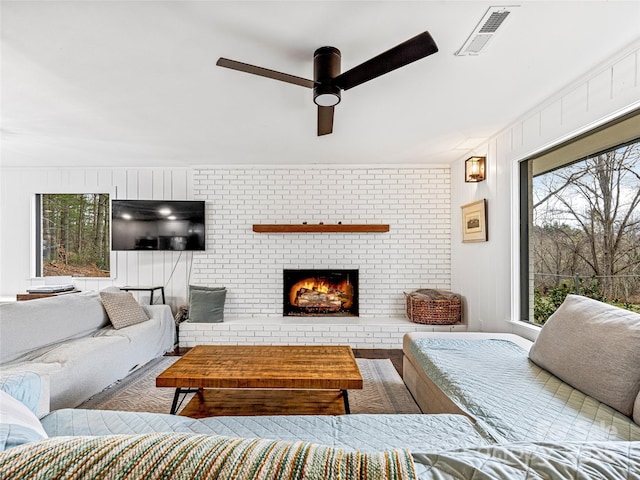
x,y
487,273
415,253
18,187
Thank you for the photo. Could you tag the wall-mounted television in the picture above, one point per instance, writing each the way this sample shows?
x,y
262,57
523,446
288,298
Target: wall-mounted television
x,y
157,225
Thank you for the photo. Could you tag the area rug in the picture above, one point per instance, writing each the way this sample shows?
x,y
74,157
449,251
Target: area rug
x,y
383,392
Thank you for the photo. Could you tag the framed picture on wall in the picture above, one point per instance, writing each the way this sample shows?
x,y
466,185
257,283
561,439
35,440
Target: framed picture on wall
x,y
474,222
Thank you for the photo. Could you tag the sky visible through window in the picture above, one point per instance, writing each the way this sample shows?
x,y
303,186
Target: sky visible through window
x,y
586,231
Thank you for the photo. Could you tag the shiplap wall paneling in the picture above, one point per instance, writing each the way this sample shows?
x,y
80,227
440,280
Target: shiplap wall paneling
x,y
610,89
145,259
18,187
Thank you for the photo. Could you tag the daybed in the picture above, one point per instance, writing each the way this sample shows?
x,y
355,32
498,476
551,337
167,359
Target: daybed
x,y
73,344
580,380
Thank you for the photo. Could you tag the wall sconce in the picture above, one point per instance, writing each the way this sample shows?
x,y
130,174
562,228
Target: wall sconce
x,y
474,169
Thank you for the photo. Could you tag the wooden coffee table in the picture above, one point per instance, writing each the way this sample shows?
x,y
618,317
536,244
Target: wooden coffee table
x,y
263,380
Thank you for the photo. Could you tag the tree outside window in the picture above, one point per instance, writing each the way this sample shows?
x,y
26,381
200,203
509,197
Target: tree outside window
x,y
73,235
585,232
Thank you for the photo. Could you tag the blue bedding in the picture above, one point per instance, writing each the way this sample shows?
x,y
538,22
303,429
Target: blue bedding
x,y
568,460
349,432
443,447
513,399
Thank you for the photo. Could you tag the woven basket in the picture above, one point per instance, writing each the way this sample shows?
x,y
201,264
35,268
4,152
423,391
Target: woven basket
x,y
434,307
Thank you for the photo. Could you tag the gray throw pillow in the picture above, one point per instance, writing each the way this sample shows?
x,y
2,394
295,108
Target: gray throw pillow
x,y
207,306
123,309
636,410
206,289
594,347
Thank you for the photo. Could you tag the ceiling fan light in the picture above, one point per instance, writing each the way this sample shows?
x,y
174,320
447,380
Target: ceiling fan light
x,y
326,99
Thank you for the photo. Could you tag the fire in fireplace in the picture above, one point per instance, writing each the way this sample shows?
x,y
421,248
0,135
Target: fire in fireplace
x,y
320,293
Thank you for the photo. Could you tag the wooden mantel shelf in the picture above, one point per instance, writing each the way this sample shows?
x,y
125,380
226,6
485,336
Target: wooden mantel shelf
x,y
320,228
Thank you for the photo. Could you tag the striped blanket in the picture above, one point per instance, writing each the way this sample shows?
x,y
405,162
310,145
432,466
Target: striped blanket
x,y
183,455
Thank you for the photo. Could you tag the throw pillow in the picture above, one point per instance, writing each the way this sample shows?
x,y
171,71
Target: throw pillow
x,y
18,424
206,289
594,347
123,309
111,289
207,306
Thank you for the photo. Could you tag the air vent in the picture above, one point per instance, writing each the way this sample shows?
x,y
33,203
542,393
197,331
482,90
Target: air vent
x,y
485,30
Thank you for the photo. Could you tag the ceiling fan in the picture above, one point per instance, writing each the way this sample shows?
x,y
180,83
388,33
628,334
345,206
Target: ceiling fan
x,y
328,82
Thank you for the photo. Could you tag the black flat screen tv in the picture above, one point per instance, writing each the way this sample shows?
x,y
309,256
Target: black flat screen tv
x,y
157,225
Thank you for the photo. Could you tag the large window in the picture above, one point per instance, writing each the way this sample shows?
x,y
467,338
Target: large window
x,y
72,235
580,227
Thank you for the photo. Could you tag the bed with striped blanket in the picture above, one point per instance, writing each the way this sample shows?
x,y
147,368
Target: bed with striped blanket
x,y
183,455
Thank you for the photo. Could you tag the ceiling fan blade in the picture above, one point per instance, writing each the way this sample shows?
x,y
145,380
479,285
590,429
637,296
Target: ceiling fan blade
x,y
415,48
325,120
264,72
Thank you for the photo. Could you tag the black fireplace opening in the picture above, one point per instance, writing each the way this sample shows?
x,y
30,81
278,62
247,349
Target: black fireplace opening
x,y
320,293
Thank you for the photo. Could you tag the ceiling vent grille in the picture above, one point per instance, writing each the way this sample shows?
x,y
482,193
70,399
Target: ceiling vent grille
x,y
484,31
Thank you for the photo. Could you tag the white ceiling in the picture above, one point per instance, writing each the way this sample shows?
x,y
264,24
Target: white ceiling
x,y
119,83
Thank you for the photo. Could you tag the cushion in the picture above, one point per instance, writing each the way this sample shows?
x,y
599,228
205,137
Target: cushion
x,y
123,309
28,326
18,424
636,410
26,387
595,348
207,306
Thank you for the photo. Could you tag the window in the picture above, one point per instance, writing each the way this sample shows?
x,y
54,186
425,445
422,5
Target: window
x,y
580,223
72,235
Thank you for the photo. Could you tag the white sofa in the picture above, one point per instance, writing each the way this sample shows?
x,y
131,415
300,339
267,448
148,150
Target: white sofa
x,y
70,342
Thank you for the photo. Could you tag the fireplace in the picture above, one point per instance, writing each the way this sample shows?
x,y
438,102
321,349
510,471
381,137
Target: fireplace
x,y
320,293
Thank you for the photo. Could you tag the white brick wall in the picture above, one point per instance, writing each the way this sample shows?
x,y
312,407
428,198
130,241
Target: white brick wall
x,y
415,202
357,333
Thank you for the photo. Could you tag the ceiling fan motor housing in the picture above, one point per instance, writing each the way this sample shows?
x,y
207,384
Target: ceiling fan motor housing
x,y
326,66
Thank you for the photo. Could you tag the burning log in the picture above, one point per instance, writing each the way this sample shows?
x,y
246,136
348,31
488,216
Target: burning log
x,y
331,301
